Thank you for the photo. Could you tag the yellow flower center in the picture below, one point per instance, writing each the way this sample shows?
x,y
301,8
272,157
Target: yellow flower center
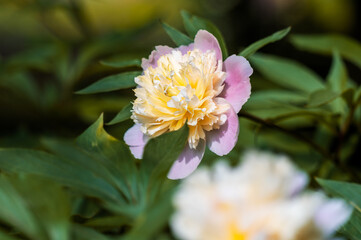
x,y
181,89
235,234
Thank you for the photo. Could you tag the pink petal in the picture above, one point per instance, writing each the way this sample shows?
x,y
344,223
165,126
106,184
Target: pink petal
x,y
154,56
221,141
187,162
185,49
206,41
136,140
298,183
137,151
237,87
332,215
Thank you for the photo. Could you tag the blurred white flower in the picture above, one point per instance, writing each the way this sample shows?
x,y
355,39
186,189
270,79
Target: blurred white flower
x,y
262,199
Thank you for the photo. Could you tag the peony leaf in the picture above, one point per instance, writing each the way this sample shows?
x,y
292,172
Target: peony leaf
x,y
121,63
327,43
287,73
351,192
321,97
123,115
254,47
177,37
112,83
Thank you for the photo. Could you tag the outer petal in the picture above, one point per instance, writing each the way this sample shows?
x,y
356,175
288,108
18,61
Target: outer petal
x,y
154,56
185,49
206,41
221,141
298,183
136,140
237,87
332,215
187,162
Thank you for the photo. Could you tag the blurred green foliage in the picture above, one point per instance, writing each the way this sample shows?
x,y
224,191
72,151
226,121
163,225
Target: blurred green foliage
x,y
68,61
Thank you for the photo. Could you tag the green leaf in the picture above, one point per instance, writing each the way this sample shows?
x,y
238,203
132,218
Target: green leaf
x,y
321,97
352,229
123,115
38,57
48,201
5,236
254,47
348,95
85,233
337,80
57,168
14,210
109,222
115,156
193,24
327,43
287,73
21,84
161,152
177,37
146,227
112,83
121,63
265,98
351,192
348,191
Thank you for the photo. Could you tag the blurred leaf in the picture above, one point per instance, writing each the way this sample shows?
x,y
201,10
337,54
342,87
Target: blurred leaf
x,y
254,47
115,156
49,202
5,236
177,37
352,229
123,115
287,73
153,220
349,191
161,152
58,169
321,97
22,85
121,63
193,24
89,108
337,81
348,96
38,58
264,98
112,83
84,233
326,44
337,78
84,207
109,222
15,212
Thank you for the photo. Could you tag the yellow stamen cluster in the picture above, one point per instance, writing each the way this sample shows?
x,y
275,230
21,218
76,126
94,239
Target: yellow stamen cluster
x,y
181,89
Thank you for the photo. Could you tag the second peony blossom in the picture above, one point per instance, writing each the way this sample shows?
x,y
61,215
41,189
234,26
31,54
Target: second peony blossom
x,y
190,85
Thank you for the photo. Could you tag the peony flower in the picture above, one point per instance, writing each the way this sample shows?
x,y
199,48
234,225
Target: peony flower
x,y
262,199
190,85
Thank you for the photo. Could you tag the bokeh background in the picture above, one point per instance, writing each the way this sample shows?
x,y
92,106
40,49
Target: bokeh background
x,y
51,48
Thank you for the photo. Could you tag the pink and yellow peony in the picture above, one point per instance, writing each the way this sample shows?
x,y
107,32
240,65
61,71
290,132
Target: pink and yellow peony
x,y
190,85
